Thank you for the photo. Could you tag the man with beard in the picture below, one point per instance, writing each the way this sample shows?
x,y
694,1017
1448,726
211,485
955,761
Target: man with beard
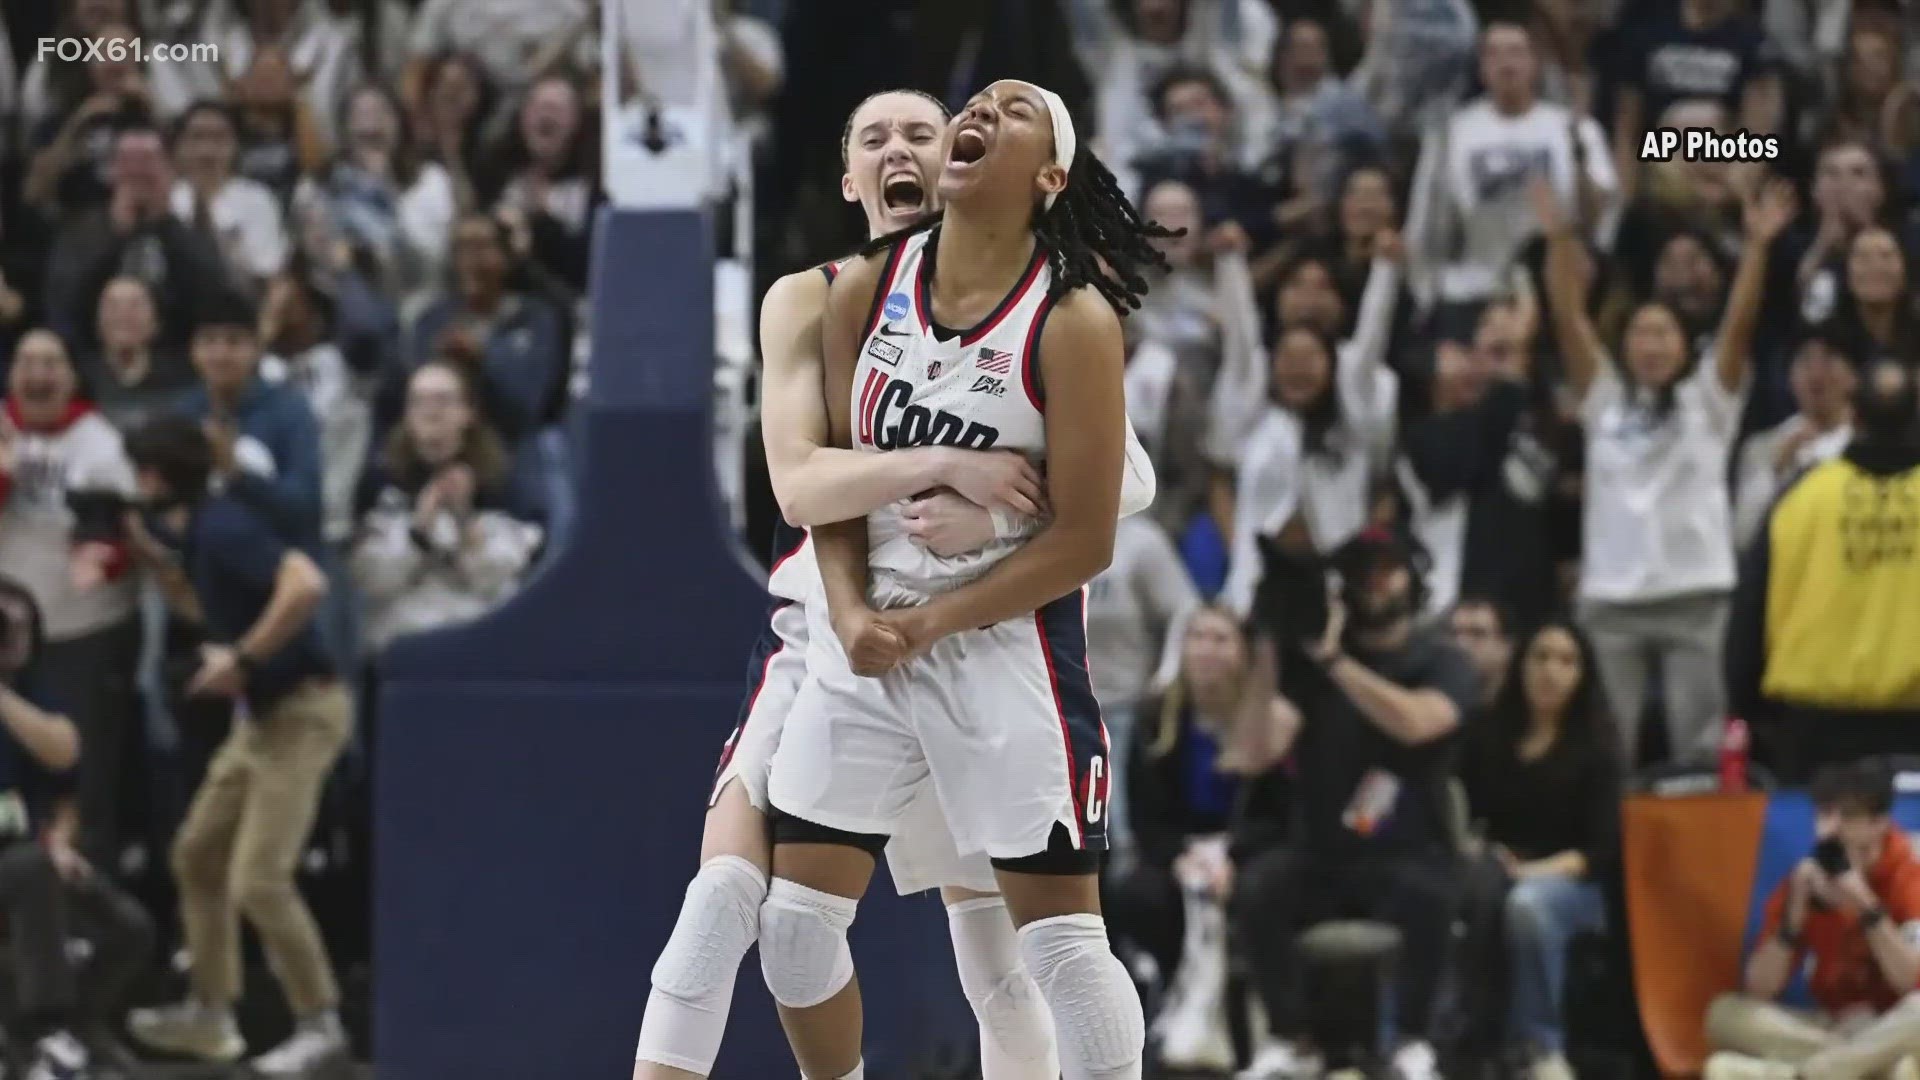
x,y
1381,701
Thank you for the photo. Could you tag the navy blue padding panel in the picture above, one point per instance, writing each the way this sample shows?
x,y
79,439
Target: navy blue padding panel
x,y
542,773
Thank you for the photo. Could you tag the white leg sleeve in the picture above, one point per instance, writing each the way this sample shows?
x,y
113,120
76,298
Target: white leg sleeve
x,y
693,979
803,943
1096,1011
1016,1032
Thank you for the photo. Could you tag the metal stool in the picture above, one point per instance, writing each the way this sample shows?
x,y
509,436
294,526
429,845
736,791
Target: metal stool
x,y
1347,969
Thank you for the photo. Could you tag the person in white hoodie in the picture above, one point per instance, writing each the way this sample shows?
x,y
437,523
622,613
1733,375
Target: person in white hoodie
x,y
1824,375
62,468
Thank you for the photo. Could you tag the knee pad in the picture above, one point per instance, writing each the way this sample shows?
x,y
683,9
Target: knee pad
x,y
1096,1010
1005,999
803,943
719,920
686,1015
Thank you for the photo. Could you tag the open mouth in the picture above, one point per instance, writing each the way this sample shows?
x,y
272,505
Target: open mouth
x,y
903,193
969,146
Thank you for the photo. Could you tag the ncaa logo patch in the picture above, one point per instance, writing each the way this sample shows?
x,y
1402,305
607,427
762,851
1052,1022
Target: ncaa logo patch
x,y
883,352
896,307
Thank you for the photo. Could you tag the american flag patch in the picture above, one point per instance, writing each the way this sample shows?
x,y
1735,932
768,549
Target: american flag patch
x,y
998,363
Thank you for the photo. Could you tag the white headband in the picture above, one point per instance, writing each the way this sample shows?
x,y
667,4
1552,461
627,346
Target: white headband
x,y
1064,142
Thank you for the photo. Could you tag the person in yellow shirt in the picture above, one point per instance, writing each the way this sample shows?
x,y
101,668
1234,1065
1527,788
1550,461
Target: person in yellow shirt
x,y
1829,588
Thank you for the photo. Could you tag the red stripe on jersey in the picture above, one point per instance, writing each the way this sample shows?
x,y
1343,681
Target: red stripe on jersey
x,y
1066,736
886,288
784,556
1030,357
870,404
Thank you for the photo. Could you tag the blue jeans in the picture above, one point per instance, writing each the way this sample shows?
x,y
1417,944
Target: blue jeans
x,y
1543,915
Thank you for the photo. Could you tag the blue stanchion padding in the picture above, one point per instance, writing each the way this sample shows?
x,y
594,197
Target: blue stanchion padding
x,y
542,773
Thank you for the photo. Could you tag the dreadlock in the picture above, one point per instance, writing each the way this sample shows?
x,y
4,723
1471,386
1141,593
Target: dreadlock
x,y
1095,237
846,133
1092,236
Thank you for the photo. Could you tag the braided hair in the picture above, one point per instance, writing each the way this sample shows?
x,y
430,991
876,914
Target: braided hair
x,y
1092,236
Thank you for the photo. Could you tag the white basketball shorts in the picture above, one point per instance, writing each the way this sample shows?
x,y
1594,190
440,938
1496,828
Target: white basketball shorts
x,y
922,855
999,723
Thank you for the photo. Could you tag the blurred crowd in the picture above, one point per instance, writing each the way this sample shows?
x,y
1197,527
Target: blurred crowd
x,y
349,243
1441,325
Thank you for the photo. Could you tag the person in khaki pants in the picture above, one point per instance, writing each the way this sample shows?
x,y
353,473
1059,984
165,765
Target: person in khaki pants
x,y
238,849
1853,906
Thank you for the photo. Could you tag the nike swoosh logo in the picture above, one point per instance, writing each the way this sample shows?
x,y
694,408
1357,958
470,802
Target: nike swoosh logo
x,y
887,330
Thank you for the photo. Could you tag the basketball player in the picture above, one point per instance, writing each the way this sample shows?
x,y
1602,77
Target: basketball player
x,y
968,676
891,149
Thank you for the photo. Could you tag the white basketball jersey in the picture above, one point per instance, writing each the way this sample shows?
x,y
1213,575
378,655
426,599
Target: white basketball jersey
x,y
975,388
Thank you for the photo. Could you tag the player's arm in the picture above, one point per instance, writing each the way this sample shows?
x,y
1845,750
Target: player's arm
x,y
1080,357
817,483
840,547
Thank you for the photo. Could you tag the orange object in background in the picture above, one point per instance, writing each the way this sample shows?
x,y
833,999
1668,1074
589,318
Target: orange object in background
x,y
1690,865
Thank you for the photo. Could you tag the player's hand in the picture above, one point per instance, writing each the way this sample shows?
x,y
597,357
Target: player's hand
x,y
914,627
873,648
946,524
995,478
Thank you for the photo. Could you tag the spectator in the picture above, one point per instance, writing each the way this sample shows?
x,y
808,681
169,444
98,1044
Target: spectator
x,y
1868,76
280,139
548,169
515,341
379,197
1877,302
132,378
296,329
49,893
1418,61
64,474
237,850
1379,702
1685,195
1690,275
1850,910
1694,49
1197,312
1826,586
1209,790
1481,631
137,236
1466,219
52,86
1658,563
1850,193
1479,468
314,46
1302,68
438,543
448,112
1136,43
1542,773
1132,608
1203,148
242,215
1824,380
266,445
1306,467
516,41
71,168
1367,210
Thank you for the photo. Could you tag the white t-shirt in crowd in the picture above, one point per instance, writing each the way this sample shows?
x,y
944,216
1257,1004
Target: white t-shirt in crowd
x,y
247,224
1658,520
1131,607
1468,216
1756,483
